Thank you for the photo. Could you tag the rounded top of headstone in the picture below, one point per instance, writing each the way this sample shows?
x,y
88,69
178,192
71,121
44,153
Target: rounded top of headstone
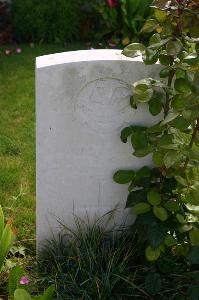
x,y
82,55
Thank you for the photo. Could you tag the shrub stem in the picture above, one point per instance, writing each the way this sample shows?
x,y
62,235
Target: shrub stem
x,y
166,107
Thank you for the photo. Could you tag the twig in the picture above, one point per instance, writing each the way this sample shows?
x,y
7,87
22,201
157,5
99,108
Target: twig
x,y
166,107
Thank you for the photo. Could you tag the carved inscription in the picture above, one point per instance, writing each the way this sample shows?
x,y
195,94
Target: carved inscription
x,y
103,105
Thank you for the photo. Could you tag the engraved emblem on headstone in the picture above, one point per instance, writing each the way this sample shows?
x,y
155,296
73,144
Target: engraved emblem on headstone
x,y
101,105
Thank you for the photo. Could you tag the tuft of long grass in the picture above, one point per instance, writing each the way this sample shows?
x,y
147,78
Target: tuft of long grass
x,y
90,262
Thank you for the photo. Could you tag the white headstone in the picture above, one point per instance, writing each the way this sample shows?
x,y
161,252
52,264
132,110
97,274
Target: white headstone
x,y
82,105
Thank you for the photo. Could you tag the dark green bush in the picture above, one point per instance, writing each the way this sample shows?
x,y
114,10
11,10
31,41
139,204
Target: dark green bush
x,y
46,20
69,20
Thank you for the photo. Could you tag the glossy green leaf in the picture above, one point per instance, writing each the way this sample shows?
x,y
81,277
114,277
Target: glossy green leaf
x,y
143,177
143,152
125,133
157,83
180,73
134,50
180,123
191,218
181,219
158,158
165,59
139,140
187,114
173,48
150,25
184,228
172,206
182,85
143,172
142,91
152,254
143,95
155,106
190,198
194,194
133,103
150,56
141,208
178,102
182,249
155,129
153,197
123,176
164,140
194,209
160,15
170,158
160,213
181,180
158,45
154,39
164,72
170,240
170,117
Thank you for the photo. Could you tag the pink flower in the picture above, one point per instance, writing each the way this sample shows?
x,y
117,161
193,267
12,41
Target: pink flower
x,y
112,3
24,280
18,50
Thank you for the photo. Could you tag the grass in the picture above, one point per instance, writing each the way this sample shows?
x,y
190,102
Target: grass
x,y
90,262
17,134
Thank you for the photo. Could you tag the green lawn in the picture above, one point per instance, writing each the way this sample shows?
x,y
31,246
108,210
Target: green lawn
x,y
17,135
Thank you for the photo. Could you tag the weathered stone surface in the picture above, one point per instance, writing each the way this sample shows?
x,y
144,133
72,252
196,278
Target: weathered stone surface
x,y
82,105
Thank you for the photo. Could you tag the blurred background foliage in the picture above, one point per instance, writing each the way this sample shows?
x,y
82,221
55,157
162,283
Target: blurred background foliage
x,y
56,21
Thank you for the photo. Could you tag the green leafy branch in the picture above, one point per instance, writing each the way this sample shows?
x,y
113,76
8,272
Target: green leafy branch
x,y
166,198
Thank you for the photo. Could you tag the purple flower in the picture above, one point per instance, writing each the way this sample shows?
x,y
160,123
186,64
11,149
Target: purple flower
x,y
18,50
24,280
